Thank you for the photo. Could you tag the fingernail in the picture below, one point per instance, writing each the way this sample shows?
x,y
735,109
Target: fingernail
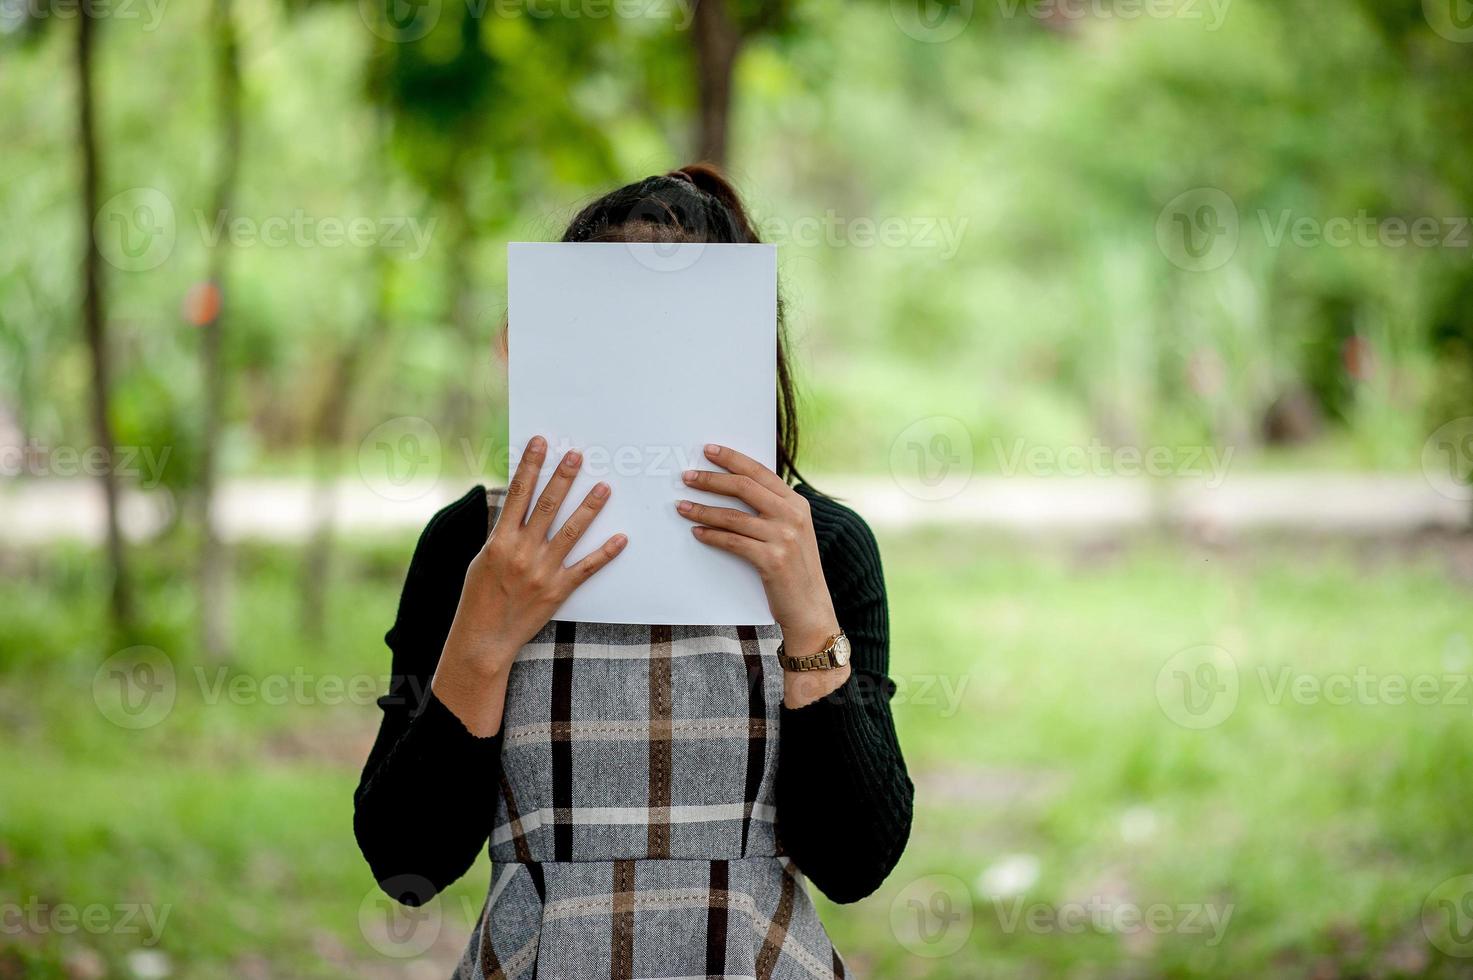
x,y
712,449
536,445
684,506
600,490
698,531
620,540
573,458
689,476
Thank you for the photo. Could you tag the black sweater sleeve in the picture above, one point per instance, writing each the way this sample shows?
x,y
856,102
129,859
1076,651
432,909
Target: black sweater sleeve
x,y
424,804
844,798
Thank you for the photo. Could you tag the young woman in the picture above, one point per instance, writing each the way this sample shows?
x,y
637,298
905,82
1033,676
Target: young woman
x,y
650,793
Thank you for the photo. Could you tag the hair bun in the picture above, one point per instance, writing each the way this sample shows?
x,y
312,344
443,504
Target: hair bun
x,y
709,178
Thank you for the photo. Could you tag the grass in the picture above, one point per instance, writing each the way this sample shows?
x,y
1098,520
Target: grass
x,y
1057,798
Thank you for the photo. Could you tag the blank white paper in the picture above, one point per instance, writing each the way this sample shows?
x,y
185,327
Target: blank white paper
x,y
638,355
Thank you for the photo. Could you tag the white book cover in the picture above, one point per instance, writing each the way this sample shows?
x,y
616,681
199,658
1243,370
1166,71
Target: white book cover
x,y
638,355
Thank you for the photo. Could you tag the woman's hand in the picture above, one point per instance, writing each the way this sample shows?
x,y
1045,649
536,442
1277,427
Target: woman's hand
x,y
514,585
779,542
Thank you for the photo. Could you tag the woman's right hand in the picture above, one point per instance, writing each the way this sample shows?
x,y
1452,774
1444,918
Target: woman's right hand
x,y
514,585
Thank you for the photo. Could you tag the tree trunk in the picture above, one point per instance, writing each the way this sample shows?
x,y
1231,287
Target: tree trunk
x,y
213,563
94,324
460,297
328,432
717,41
332,418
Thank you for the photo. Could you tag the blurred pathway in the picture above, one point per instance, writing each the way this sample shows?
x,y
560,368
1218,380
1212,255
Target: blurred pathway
x,y
1327,503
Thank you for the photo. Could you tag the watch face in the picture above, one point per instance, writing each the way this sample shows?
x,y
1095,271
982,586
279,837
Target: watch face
x,y
841,650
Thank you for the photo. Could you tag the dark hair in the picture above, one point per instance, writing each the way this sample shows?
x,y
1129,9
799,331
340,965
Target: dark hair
x,y
693,204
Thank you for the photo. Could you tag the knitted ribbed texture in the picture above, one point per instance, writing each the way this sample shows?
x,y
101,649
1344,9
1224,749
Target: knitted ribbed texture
x,y
844,798
424,806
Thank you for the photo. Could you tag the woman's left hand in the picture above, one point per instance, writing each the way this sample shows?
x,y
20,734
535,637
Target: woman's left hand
x,y
778,540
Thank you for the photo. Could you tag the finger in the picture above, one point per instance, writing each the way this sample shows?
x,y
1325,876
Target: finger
x,y
523,482
727,518
744,488
745,465
546,508
738,544
581,571
578,521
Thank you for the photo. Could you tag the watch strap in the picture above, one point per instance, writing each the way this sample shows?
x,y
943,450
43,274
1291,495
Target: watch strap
x,y
822,660
817,661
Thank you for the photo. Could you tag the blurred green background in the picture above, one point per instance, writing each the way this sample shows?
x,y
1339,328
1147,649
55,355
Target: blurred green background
x,y
1142,330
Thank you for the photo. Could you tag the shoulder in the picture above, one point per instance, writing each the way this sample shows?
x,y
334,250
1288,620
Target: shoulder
x,y
457,527
432,588
845,541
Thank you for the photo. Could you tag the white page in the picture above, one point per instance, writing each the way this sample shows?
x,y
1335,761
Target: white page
x,y
638,355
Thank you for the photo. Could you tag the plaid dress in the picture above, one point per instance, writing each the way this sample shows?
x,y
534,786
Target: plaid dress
x,y
634,828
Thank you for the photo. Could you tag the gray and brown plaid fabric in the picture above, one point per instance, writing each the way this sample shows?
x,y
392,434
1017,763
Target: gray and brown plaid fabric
x,y
633,835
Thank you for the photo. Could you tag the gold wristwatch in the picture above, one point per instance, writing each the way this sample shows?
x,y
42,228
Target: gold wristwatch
x,y
835,654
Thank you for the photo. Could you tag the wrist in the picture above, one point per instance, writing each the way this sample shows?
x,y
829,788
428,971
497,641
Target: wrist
x,y
801,688
480,659
474,689
809,638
